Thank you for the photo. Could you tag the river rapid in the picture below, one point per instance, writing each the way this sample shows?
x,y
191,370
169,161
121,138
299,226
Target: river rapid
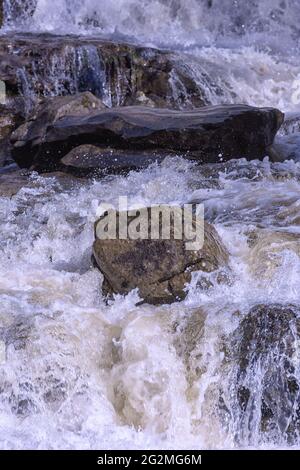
x,y
76,373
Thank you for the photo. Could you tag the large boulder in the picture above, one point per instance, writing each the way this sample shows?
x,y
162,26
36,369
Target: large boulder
x,y
159,268
207,134
262,393
120,74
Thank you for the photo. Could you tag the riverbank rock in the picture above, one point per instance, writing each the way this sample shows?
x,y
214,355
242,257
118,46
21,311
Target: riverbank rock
x,y
9,121
263,394
38,66
159,268
209,134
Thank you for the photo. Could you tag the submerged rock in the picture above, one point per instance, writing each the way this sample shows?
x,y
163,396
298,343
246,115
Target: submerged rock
x,y
159,268
291,124
12,181
287,143
262,394
286,147
16,334
208,134
267,247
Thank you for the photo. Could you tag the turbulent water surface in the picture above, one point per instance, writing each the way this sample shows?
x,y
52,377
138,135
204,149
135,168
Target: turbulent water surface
x,y
77,373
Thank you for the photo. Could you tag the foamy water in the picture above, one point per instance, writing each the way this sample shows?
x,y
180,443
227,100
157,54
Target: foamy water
x,y
80,374
76,373
179,23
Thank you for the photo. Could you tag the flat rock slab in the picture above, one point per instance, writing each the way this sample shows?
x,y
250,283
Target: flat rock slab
x,y
89,160
209,134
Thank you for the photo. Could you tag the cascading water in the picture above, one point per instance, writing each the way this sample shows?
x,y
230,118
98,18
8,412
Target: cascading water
x,y
251,50
77,373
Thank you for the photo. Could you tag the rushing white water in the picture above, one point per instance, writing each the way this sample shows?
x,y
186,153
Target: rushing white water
x,y
169,22
77,373
251,48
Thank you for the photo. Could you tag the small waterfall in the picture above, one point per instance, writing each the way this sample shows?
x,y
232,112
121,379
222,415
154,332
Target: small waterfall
x,y
90,71
118,73
260,399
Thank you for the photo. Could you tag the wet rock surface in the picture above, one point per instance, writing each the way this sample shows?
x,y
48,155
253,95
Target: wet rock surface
x,y
36,66
160,269
90,160
11,182
51,110
122,77
10,119
209,134
263,363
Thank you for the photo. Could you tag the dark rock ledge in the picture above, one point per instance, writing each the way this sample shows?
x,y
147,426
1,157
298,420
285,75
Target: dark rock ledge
x,y
158,101
133,137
